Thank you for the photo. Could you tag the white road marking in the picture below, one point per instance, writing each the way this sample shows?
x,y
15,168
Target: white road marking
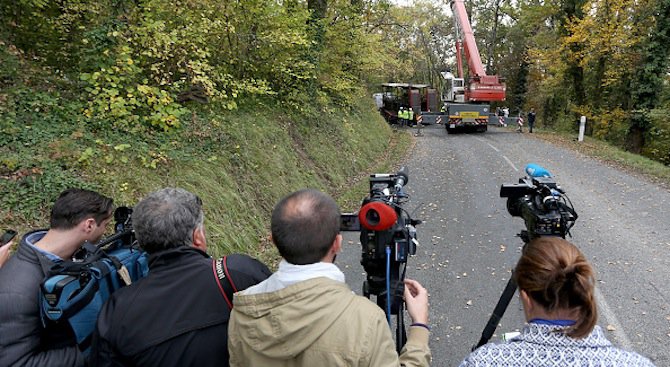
x,y
511,164
498,151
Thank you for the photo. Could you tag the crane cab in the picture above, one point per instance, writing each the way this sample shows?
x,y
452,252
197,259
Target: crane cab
x,y
454,88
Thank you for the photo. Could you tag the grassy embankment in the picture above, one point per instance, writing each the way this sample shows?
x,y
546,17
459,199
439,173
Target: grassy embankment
x,y
240,163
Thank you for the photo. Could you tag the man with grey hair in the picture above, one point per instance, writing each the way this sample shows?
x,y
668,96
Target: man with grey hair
x,y
177,315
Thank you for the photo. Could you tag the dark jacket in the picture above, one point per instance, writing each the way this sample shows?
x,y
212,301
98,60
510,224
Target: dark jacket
x,y
24,341
176,316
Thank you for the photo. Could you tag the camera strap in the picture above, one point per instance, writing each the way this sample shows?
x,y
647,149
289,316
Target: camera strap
x,y
223,280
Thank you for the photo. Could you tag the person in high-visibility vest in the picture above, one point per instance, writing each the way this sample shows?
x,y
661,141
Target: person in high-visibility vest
x,y
410,117
401,116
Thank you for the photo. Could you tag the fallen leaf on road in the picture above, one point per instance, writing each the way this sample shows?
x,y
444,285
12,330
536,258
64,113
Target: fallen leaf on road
x,y
503,248
611,327
469,303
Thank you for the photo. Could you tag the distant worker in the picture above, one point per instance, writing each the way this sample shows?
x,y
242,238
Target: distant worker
x,y
410,116
531,119
405,116
401,111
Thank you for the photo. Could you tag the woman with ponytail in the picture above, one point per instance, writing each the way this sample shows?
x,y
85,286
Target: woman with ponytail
x,y
556,287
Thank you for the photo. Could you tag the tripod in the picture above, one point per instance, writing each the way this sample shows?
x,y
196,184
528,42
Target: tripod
x,y
393,306
503,302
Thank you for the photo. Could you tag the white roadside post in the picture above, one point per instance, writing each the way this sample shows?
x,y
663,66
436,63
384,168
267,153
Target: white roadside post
x,y
582,126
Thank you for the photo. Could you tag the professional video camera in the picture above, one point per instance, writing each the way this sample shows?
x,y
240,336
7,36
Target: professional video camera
x,y
546,211
123,237
543,205
388,238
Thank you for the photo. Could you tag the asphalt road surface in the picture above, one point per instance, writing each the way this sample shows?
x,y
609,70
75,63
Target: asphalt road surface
x,y
468,240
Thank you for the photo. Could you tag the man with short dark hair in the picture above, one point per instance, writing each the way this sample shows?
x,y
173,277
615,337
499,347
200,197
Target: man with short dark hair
x,y
305,314
177,315
78,216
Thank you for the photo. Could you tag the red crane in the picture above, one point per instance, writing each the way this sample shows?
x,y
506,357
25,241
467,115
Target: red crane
x,y
481,87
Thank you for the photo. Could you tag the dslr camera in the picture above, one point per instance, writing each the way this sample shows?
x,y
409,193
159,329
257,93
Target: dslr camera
x,y
388,238
540,201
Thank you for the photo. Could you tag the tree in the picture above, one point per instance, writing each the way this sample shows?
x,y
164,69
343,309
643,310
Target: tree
x,y
649,76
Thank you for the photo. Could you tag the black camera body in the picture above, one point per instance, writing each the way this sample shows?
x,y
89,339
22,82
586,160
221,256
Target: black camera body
x,y
543,205
124,235
546,210
388,237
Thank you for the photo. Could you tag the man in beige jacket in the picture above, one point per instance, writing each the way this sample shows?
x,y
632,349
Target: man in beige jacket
x,y
305,314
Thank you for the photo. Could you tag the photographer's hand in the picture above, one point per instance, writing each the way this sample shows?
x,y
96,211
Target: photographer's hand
x,y
416,299
4,252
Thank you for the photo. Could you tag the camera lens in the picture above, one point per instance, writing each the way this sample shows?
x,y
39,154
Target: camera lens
x,y
372,217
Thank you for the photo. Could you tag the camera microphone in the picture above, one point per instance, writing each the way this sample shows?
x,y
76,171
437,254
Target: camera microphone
x,y
377,216
402,178
535,170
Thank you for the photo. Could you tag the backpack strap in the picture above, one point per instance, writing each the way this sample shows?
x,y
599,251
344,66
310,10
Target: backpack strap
x,y
223,280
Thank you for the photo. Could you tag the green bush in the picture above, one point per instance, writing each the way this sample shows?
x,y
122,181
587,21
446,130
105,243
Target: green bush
x,y
657,146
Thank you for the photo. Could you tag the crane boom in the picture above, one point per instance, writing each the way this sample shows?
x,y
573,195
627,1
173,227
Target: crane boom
x,y
482,87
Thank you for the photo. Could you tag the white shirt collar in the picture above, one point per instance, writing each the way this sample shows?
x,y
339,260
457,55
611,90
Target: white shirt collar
x,y
289,274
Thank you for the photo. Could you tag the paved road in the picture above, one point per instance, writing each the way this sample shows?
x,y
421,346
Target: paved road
x,y
468,243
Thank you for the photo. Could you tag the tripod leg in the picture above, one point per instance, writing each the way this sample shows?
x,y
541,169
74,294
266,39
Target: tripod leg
x,y
498,312
400,333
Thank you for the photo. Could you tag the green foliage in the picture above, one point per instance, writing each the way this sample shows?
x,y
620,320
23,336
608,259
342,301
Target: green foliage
x,y
28,192
610,125
225,156
658,139
115,97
